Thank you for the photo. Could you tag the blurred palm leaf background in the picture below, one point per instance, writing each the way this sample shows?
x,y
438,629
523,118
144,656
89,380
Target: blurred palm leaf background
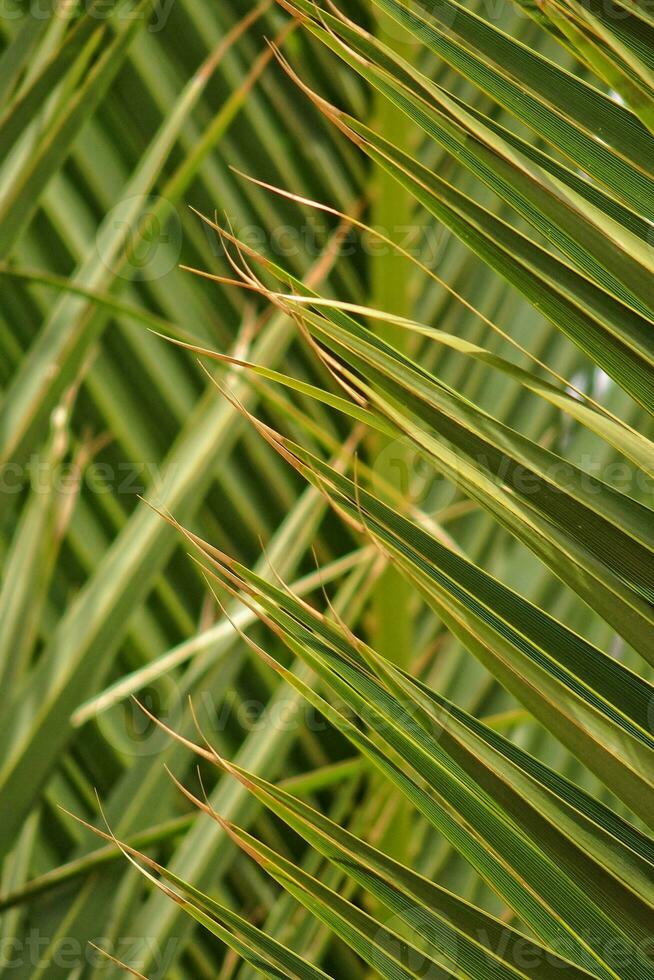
x,y
327,600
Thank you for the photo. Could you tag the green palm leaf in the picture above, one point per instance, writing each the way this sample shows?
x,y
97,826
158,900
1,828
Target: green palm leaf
x,y
427,405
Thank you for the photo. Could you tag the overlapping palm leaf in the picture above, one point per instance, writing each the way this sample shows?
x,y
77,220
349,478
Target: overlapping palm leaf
x,y
530,856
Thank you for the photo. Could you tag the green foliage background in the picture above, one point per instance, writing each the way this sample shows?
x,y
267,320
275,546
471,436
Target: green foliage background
x,y
325,436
